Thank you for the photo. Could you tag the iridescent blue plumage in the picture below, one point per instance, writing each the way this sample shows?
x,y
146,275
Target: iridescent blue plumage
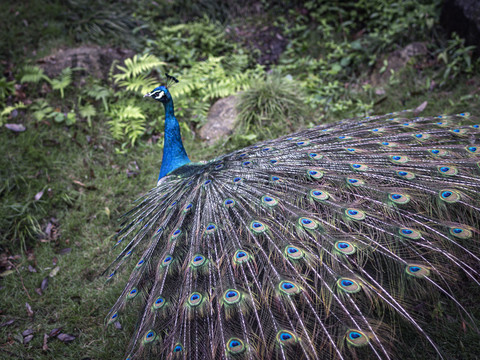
x,y
326,244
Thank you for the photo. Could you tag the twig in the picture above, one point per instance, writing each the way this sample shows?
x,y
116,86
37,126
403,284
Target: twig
x,y
21,279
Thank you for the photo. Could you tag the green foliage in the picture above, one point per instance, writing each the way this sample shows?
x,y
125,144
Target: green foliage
x,y
457,59
87,111
8,110
63,81
99,21
135,74
273,105
33,74
127,122
99,92
185,44
41,109
6,88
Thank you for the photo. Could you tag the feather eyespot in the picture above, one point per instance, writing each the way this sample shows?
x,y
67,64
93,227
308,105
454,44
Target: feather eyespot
x,y
177,348
258,227
231,297
315,173
241,257
198,260
447,170
210,228
289,288
461,232
149,337
405,175
159,303
356,337
235,346
398,159
308,223
285,337
409,233
356,182
472,149
229,203
345,247
315,156
319,194
449,195
113,318
269,201
132,294
398,198
417,270
349,285
195,299
355,214
294,253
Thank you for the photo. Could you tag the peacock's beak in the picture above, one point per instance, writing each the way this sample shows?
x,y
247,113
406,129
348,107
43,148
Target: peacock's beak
x,y
147,95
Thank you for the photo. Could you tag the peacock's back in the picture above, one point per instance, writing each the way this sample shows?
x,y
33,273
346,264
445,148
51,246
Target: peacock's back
x,y
316,245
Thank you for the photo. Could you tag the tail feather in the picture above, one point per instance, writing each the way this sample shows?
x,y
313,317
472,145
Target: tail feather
x,y
316,245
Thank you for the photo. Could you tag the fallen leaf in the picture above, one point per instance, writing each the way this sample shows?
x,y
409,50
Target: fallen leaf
x,y
45,339
44,284
29,309
65,251
66,338
38,195
54,332
421,107
32,269
15,127
7,323
27,339
54,272
27,332
39,291
117,325
7,272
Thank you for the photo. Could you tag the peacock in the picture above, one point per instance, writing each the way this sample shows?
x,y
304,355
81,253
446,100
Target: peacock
x,y
316,245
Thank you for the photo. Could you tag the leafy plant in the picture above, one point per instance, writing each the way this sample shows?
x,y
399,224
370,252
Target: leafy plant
x,y
63,81
6,87
99,92
134,75
41,109
8,110
274,104
68,118
87,111
127,122
33,74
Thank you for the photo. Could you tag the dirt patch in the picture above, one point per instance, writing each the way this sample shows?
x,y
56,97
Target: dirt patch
x,y
95,60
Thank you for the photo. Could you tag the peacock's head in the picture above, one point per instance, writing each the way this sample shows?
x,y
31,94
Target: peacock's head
x,y
160,93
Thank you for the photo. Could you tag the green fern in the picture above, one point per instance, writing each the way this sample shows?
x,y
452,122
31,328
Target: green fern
x,y
87,111
127,122
136,66
99,92
63,81
33,74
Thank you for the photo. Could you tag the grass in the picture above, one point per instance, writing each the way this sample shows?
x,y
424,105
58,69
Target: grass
x,y
76,299
86,186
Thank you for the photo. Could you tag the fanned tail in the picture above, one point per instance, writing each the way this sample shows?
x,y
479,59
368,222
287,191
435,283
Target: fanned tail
x,y
316,245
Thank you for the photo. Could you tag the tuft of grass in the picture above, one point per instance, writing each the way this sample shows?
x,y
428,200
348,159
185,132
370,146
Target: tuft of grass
x,y
270,108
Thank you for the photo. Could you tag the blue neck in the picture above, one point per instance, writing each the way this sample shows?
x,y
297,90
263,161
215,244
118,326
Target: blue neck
x,y
174,154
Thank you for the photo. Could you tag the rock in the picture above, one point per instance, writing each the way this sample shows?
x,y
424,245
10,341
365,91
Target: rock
x,y
94,59
397,60
221,120
463,17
